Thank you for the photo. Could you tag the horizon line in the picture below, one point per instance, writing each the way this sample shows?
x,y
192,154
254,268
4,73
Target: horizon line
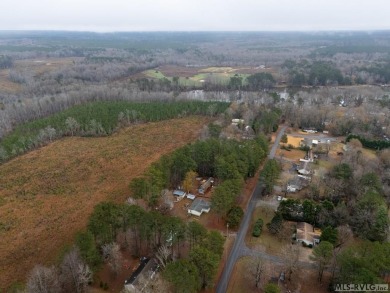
x,y
196,31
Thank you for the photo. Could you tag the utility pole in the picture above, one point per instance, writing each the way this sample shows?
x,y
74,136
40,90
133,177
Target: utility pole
x,y
227,230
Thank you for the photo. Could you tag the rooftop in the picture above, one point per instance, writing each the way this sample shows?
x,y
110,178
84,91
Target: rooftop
x,y
305,231
140,268
180,193
200,205
147,268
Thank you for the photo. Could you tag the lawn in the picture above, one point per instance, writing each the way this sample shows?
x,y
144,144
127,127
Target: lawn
x,y
242,279
304,281
266,242
294,141
48,194
292,155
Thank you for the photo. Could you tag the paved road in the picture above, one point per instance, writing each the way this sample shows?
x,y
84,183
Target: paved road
x,y
276,143
239,245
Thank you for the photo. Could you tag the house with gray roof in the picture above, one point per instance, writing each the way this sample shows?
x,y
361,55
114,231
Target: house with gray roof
x,y
199,206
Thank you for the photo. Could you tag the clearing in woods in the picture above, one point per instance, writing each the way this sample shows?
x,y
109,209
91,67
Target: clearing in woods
x,y
33,67
47,195
196,76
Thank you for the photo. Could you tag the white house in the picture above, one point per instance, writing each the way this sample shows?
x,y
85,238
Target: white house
x,y
198,207
237,121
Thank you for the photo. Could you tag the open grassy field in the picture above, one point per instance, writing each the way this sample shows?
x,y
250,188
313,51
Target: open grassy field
x,y
47,195
196,76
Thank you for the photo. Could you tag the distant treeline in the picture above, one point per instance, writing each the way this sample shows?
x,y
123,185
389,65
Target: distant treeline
x,y
330,51
371,144
315,73
381,71
98,119
324,73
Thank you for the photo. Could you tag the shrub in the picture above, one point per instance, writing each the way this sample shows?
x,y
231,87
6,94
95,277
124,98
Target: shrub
x,y
258,228
304,148
284,138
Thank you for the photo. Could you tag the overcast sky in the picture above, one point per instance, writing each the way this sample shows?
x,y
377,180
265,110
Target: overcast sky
x,y
194,15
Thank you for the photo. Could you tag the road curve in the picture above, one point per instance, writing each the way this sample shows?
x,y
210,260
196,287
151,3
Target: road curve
x,y
239,244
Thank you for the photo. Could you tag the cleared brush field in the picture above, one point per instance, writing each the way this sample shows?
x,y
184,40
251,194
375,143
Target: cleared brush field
x,y
47,195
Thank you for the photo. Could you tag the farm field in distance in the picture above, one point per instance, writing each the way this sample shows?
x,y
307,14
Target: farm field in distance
x,y
47,195
196,76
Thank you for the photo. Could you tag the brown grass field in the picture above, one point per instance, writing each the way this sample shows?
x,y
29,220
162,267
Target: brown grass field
x,y
47,195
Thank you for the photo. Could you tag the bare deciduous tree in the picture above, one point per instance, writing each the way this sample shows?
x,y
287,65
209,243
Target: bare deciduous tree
x,y
112,255
75,273
43,280
290,255
258,269
285,233
163,255
344,235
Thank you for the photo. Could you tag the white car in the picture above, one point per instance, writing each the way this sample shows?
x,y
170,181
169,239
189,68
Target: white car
x,y
279,198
